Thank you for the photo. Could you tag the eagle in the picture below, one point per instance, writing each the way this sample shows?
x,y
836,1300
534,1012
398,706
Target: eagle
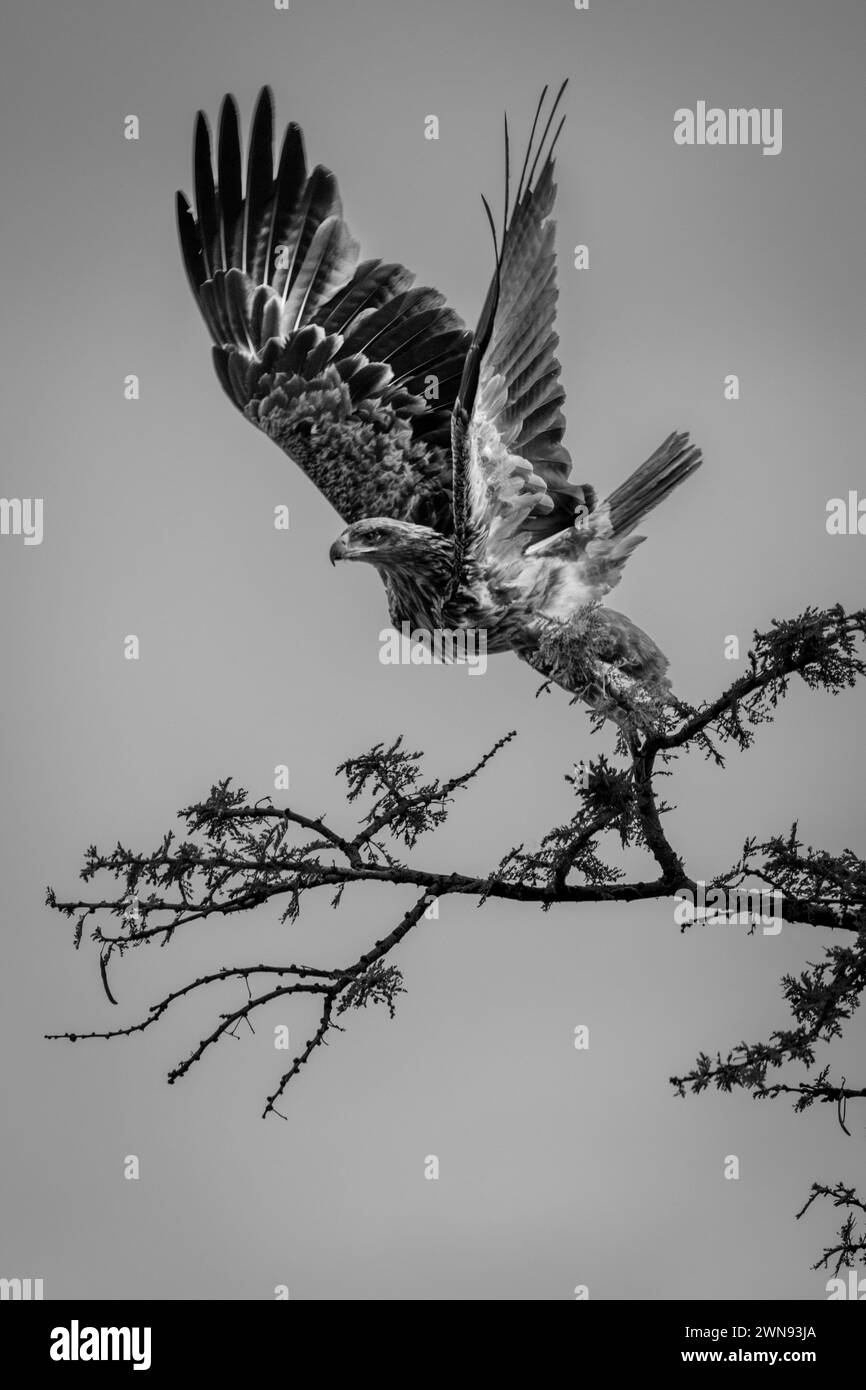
x,y
440,448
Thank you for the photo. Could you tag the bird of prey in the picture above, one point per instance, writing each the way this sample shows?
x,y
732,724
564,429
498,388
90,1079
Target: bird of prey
x,y
440,448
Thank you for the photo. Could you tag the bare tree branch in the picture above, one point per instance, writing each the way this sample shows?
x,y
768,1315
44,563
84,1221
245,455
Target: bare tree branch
x,y
235,857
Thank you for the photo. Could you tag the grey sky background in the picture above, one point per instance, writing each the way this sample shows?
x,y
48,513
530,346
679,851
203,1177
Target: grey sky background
x,y
557,1167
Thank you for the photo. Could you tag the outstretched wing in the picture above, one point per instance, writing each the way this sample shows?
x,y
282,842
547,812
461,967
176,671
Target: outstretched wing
x,y
511,469
515,510
343,364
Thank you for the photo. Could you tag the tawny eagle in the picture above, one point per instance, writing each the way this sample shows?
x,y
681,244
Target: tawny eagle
x,y
440,448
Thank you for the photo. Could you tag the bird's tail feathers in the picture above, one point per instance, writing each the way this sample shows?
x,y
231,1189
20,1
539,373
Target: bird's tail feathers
x,y
674,461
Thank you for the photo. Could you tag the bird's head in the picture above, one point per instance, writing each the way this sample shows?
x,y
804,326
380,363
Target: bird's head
x,y
391,545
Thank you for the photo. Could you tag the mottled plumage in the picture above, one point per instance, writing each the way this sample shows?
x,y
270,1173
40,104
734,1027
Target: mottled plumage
x,y
441,449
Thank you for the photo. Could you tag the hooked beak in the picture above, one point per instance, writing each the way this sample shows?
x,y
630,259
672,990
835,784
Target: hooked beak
x,y
338,551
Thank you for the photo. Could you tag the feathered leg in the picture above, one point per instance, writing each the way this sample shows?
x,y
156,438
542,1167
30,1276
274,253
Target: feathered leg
x,y
607,661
